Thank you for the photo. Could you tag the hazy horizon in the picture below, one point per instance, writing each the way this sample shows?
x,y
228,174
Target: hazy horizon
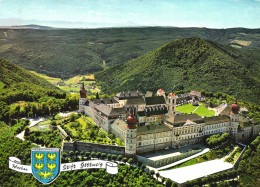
x,y
136,13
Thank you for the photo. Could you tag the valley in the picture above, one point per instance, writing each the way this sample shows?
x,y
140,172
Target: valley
x,y
65,53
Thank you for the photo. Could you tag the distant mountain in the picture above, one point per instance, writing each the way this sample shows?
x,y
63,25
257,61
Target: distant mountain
x,y
11,74
187,64
31,26
65,53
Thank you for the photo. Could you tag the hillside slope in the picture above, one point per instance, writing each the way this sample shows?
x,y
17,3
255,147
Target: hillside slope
x,y
69,52
17,84
186,64
11,74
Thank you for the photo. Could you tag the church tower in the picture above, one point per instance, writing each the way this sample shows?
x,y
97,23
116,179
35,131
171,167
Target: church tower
x,y
82,98
171,102
234,116
130,144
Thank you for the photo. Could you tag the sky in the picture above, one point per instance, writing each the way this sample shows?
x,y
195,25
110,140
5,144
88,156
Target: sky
x,y
131,13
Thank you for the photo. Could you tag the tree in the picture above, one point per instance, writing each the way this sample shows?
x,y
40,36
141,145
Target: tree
x,y
71,153
108,156
82,153
103,155
119,157
87,154
98,155
53,123
97,95
124,159
113,157
64,154
168,182
143,167
26,131
157,175
162,179
152,172
93,154
130,161
76,153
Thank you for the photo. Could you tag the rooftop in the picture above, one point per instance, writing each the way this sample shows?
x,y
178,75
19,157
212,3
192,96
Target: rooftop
x,y
129,94
149,111
149,94
119,123
135,101
216,119
181,119
108,111
104,101
155,100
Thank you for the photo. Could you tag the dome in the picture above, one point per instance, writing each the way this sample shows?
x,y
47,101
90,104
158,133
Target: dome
x,y
160,91
131,119
171,94
83,92
235,108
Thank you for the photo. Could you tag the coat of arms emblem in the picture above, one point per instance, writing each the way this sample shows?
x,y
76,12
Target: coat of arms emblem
x,y
45,164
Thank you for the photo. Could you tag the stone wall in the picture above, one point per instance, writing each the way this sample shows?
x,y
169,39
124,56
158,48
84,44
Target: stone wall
x,y
152,147
235,166
165,161
247,133
96,147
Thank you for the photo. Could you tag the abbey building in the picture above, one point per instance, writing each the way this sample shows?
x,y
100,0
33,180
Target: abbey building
x,y
149,123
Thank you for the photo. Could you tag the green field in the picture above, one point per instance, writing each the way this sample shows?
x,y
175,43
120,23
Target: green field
x,y
201,110
72,84
186,108
52,80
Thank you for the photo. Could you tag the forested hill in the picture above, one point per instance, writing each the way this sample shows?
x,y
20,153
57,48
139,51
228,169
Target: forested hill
x,y
11,74
186,64
23,94
69,52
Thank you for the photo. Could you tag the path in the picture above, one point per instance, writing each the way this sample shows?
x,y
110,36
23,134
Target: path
x,y
32,123
66,114
195,109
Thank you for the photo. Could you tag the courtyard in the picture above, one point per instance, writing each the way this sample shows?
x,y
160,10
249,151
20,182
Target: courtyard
x,y
201,110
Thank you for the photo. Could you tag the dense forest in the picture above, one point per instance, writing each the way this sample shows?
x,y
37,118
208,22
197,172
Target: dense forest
x,y
23,94
187,64
65,53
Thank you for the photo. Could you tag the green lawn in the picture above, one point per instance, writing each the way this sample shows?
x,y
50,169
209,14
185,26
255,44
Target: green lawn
x,y
201,110
186,108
